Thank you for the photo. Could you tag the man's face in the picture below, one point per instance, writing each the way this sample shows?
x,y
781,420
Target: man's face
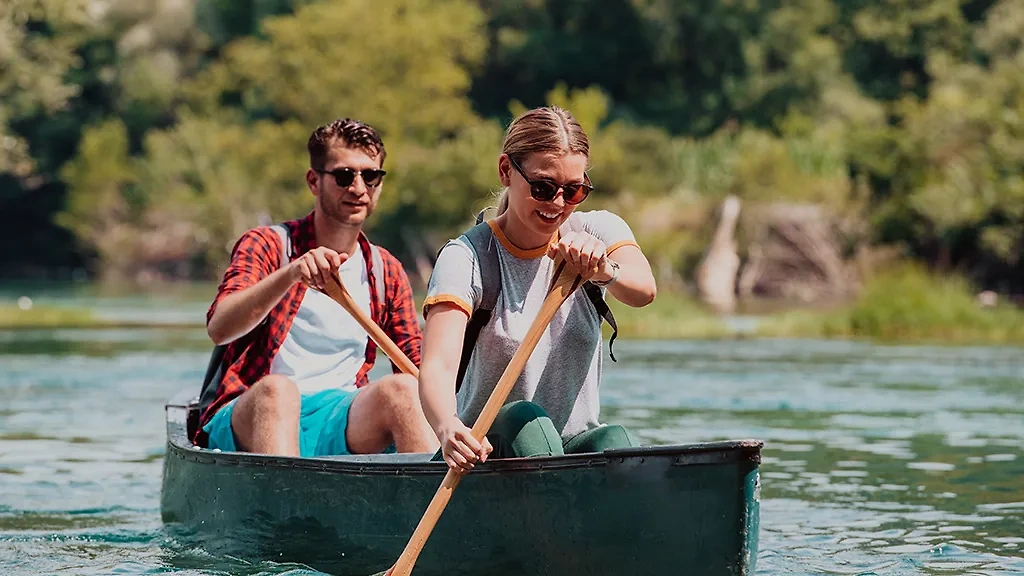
x,y
347,205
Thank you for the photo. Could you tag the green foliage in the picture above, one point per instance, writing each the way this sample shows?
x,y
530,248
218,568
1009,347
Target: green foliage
x,y
12,317
174,126
908,304
104,203
218,179
671,315
408,78
956,165
33,66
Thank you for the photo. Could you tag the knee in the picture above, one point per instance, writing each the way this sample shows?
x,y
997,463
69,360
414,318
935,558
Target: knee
x,y
616,436
522,411
277,394
399,391
514,416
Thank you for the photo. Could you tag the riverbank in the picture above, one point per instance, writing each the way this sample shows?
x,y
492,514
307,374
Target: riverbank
x,y
14,317
902,305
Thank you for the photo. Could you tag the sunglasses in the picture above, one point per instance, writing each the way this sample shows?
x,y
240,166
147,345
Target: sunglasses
x,y
344,177
546,190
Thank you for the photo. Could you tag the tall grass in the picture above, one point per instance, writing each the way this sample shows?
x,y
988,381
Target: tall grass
x,y
908,304
671,315
12,316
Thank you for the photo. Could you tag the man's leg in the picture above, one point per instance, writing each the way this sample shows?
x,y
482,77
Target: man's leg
x,y
266,417
388,411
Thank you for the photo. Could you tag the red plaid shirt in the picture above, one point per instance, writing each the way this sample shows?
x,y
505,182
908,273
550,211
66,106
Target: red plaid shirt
x,y
255,256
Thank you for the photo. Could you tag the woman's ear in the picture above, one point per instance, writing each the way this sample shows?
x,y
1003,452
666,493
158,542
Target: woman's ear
x,y
505,170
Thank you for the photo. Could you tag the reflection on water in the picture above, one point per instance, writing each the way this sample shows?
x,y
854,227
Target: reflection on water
x,y
878,460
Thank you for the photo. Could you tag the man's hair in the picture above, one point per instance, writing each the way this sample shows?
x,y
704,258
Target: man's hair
x,y
352,133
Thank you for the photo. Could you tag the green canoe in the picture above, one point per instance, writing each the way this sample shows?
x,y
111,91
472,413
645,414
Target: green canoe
x,y
653,510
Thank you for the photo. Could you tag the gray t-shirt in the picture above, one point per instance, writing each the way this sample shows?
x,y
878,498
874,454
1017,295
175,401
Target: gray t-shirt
x,y
563,373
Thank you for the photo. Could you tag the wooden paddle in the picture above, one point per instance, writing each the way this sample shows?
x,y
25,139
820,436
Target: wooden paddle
x,y
337,292
562,285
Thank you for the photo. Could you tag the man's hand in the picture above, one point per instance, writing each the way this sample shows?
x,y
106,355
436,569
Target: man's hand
x,y
314,267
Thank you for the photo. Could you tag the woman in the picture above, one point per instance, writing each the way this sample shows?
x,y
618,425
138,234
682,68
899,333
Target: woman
x,y
553,408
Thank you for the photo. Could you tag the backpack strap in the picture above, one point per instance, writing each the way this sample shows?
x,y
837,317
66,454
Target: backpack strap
x,y
286,243
596,297
485,246
593,292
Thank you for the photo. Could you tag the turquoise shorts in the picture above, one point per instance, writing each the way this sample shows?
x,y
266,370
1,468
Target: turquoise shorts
x,y
322,424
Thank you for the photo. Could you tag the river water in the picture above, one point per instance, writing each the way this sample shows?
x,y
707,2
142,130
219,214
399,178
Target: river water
x,y
885,460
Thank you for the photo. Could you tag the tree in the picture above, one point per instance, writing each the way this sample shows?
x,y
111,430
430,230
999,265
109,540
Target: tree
x,y
38,39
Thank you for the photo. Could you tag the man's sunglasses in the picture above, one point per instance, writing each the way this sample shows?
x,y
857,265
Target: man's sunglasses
x,y
546,190
344,177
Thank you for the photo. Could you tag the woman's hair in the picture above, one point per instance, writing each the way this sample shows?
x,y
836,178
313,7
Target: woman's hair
x,y
548,129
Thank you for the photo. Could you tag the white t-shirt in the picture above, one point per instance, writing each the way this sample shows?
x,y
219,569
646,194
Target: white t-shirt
x,y
563,373
325,346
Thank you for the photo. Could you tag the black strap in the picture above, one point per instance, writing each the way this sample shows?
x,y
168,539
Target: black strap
x,y
594,294
483,243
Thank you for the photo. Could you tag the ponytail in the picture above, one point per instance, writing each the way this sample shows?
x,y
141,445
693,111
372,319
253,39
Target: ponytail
x,y
503,202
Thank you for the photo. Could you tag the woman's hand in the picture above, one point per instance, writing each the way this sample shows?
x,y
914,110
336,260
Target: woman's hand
x,y
460,450
585,254
314,267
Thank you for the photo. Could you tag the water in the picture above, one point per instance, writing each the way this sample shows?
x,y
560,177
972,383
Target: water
x,y
885,460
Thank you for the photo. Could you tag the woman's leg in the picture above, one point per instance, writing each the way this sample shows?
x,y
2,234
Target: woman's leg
x,y
600,439
522,430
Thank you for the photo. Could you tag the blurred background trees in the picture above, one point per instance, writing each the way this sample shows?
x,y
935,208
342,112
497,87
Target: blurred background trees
x,y
139,138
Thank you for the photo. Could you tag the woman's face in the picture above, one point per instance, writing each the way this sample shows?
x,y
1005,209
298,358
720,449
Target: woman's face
x,y
537,218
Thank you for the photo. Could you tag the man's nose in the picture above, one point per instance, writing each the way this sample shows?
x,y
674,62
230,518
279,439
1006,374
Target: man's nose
x,y
358,186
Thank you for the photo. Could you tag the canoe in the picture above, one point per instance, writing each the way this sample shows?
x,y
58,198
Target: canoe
x,y
690,509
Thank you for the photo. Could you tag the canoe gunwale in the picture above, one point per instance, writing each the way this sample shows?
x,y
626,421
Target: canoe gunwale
x,y
178,445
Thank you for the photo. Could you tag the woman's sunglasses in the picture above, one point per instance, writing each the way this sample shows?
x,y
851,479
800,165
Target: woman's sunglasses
x,y
344,177
546,190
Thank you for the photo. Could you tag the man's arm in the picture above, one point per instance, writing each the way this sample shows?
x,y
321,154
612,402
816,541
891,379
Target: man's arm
x,y
253,284
239,312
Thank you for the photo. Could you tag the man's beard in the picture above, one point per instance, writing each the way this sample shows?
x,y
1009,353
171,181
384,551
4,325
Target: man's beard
x,y
341,212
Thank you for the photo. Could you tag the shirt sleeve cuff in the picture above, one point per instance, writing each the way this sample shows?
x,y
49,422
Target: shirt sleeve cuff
x,y
451,299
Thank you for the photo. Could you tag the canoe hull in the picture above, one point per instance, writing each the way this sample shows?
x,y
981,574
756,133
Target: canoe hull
x,y
656,510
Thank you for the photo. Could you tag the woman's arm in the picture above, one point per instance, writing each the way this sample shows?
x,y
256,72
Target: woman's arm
x,y
635,285
442,350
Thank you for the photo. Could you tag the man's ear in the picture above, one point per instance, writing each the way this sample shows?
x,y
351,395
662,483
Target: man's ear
x,y
313,181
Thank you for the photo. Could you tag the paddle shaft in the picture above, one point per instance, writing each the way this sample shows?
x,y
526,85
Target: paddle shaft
x,y
563,285
337,292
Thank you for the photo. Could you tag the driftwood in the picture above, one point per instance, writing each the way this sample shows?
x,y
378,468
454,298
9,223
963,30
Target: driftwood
x,y
795,252
716,274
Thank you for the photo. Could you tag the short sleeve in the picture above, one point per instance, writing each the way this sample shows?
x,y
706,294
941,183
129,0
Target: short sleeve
x,y
254,257
607,226
455,278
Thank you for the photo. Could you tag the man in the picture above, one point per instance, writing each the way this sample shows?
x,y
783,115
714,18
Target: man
x,y
296,363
